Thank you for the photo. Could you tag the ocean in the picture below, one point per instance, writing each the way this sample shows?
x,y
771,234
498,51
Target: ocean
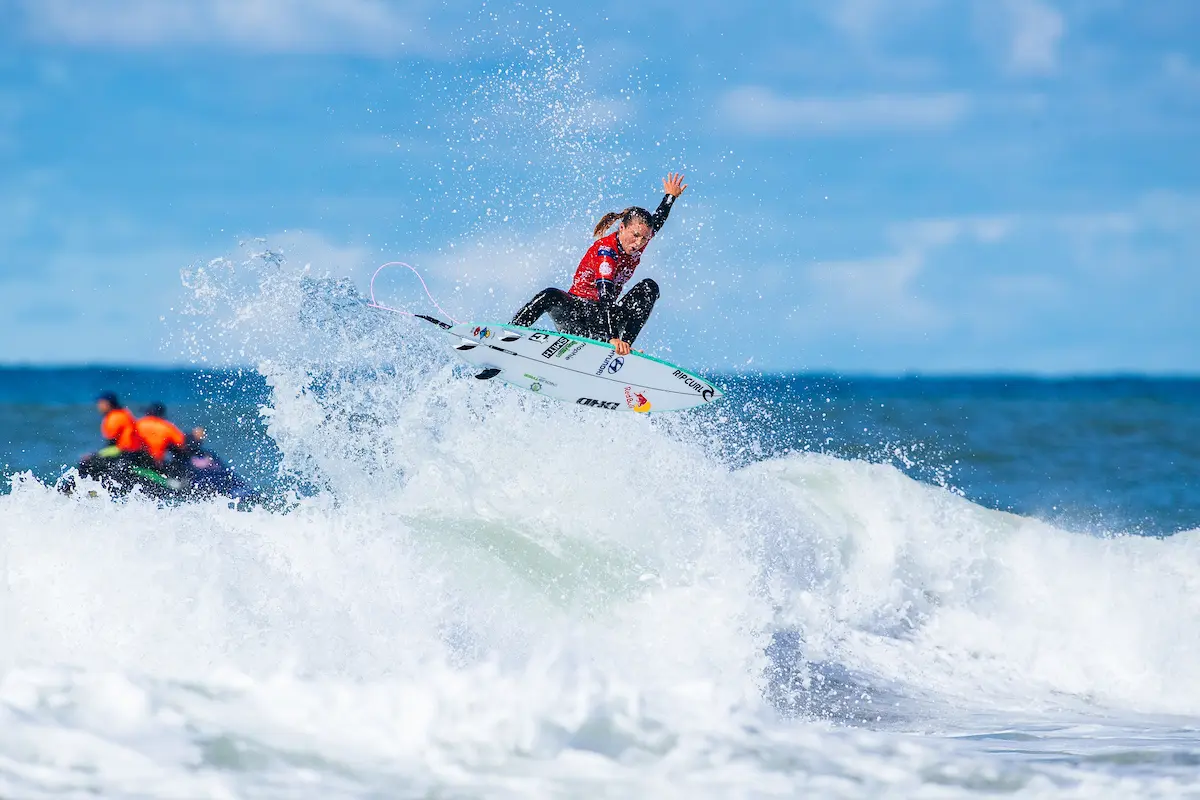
x,y
822,586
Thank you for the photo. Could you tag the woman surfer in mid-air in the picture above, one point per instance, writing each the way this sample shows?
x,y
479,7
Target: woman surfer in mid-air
x,y
591,307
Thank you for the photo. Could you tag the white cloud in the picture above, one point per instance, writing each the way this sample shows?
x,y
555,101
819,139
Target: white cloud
x,y
1031,31
1084,291
373,27
886,42
1170,211
79,306
885,292
314,250
865,20
927,234
1038,27
878,293
1095,224
858,19
1156,236
1178,68
763,111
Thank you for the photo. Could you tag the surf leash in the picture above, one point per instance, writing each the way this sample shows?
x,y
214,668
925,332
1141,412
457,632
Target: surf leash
x,y
380,306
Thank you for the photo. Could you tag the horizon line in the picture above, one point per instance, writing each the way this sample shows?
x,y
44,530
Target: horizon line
x,y
906,374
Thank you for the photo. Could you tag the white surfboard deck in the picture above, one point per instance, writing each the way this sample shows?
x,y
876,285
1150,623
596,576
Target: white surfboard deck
x,y
580,371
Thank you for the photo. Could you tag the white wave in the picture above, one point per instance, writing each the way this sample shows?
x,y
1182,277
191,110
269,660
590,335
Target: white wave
x,y
501,634
917,584
489,593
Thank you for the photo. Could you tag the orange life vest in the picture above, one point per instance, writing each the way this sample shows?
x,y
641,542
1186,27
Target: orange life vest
x,y
158,435
119,427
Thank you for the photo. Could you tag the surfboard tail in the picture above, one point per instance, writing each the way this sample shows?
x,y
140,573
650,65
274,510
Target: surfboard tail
x,y
443,325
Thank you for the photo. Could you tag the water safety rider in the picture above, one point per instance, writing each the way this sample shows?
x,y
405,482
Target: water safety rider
x,y
158,434
118,426
125,448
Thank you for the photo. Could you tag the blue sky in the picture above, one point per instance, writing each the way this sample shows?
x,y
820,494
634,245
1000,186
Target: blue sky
x,y
875,185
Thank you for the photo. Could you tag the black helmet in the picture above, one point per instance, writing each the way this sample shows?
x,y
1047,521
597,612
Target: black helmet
x,y
156,410
110,398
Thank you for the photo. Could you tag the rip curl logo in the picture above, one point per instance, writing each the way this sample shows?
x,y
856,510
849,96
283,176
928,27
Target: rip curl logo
x,y
636,400
705,391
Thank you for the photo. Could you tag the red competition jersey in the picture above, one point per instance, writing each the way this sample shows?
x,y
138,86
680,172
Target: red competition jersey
x,y
604,260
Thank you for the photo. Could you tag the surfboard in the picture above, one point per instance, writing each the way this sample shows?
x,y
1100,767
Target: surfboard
x,y
576,370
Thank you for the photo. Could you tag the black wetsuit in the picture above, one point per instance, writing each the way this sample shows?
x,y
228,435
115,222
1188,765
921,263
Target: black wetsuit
x,y
602,272
590,319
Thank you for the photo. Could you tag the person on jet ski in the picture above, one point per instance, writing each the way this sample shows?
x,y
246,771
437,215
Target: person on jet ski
x,y
158,435
208,475
591,308
118,426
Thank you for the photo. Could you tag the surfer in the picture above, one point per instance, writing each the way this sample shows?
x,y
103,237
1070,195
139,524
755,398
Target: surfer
x,y
591,307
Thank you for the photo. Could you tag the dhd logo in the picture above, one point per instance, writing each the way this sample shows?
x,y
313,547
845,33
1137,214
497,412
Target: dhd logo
x,y
587,401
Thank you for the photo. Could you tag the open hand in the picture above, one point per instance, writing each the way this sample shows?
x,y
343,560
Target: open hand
x,y
621,347
673,184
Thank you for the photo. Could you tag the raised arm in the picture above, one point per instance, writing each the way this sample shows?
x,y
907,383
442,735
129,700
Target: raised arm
x,y
673,186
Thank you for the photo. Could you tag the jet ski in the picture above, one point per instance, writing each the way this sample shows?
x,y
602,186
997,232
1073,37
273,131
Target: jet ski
x,y
195,474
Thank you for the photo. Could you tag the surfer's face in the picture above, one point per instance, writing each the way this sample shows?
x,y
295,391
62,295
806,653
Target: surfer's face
x,y
634,236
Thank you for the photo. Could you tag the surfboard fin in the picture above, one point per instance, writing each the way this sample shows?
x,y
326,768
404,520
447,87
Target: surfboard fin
x,y
488,374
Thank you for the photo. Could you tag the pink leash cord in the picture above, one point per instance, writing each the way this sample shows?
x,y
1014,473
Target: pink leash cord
x,y
374,304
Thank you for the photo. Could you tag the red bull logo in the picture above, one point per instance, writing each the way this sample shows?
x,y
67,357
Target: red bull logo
x,y
636,400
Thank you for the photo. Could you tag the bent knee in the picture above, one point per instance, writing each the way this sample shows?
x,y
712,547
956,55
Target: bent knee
x,y
650,287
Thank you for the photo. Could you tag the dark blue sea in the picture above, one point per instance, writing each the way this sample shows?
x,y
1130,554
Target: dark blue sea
x,y
1105,454
820,586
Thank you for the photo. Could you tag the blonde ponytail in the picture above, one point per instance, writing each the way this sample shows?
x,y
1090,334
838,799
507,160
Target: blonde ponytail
x,y
626,216
607,221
